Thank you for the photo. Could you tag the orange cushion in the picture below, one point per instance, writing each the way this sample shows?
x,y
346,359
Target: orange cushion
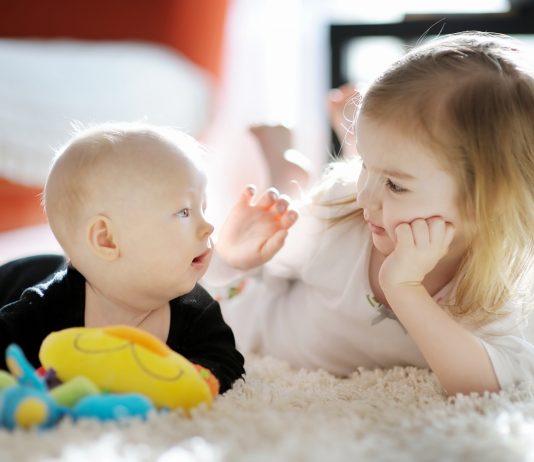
x,y
193,27
19,206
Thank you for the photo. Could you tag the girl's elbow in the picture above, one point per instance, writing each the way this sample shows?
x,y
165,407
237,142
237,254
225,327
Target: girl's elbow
x,y
468,389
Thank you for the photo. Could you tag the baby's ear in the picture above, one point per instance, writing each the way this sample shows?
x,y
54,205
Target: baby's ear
x,y
102,238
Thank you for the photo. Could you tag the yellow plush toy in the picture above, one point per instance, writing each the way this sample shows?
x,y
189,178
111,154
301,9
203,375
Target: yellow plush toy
x,y
123,359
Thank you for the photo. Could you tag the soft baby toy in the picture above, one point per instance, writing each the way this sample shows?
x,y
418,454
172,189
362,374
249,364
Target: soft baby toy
x,y
106,373
27,402
123,359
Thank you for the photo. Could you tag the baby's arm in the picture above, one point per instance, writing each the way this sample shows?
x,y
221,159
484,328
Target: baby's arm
x,y
22,322
5,340
255,231
454,353
204,338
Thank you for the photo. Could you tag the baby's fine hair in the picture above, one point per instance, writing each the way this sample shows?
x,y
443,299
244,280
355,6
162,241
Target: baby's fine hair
x,y
469,98
106,151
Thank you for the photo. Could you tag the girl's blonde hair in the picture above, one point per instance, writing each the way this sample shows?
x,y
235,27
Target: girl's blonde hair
x,y
470,98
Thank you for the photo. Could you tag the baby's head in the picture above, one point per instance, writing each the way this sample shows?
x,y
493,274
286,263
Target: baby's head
x,y
468,100
126,202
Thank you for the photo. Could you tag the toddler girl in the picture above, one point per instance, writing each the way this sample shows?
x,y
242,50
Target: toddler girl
x,y
420,253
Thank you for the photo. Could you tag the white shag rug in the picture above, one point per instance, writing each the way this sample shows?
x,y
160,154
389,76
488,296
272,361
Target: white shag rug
x,y
283,414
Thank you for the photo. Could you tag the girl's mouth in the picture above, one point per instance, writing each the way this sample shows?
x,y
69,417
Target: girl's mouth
x,y
376,229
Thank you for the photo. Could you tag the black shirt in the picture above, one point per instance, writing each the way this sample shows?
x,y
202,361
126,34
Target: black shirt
x,y
197,329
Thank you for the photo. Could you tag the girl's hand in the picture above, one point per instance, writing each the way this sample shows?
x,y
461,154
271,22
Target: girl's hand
x,y
420,245
254,231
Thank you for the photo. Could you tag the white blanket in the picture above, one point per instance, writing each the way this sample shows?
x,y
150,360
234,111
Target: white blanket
x,y
281,414
47,85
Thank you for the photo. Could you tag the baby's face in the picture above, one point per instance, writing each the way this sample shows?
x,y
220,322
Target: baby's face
x,y
163,233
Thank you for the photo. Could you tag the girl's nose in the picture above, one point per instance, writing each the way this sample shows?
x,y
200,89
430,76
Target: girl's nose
x,y
369,196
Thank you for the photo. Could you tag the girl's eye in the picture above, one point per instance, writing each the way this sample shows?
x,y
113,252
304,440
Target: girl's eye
x,y
184,213
394,187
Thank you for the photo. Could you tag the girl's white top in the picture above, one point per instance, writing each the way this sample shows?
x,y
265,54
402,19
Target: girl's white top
x,y
312,305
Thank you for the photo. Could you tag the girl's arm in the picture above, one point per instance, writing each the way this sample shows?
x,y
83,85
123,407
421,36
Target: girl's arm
x,y
454,353
255,230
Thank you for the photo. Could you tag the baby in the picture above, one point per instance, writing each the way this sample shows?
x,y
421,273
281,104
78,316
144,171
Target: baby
x,y
126,202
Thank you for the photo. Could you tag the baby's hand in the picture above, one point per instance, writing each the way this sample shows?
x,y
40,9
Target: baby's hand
x,y
254,231
420,245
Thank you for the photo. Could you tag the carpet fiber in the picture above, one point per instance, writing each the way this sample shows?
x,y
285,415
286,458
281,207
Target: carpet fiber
x,y
282,414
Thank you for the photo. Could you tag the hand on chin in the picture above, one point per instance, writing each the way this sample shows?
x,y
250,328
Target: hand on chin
x,y
383,244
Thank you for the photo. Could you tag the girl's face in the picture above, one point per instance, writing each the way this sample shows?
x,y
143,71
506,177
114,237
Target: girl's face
x,y
400,181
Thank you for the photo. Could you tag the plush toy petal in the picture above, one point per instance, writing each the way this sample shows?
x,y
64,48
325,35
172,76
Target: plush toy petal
x,y
6,380
26,407
68,394
112,407
20,367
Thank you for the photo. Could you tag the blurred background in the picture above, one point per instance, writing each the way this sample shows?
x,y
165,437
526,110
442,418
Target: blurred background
x,y
210,67
283,56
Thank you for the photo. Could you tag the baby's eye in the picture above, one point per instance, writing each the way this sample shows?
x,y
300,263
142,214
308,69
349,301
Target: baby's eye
x,y
184,213
393,187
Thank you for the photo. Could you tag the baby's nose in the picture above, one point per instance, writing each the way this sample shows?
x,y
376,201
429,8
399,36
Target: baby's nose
x,y
207,229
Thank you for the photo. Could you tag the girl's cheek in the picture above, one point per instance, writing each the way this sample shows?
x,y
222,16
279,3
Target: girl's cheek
x,y
390,230
392,217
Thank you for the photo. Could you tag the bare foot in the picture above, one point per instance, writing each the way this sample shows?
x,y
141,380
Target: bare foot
x,y
342,106
289,169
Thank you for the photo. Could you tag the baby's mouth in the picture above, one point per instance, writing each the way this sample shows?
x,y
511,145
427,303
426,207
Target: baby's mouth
x,y
199,259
